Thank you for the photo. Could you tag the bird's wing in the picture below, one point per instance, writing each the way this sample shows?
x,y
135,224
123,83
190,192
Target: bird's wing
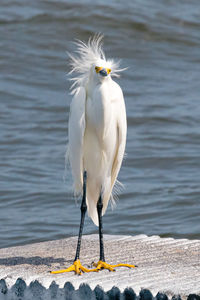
x,y
76,135
121,138
121,126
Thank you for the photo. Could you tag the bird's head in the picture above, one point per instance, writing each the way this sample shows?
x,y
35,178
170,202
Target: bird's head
x,y
102,69
91,63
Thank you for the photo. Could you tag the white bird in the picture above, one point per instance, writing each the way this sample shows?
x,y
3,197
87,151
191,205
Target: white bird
x,y
97,137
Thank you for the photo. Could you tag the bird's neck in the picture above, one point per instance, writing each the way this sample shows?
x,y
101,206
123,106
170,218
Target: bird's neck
x,y
93,83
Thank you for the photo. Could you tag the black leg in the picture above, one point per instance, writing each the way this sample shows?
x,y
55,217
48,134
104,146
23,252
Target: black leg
x,y
99,211
83,211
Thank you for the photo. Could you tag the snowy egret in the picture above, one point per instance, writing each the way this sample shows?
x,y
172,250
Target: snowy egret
x,y
97,138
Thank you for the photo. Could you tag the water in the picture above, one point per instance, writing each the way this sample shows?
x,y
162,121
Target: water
x,y
159,41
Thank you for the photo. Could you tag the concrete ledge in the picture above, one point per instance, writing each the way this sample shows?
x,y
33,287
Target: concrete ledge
x,y
165,265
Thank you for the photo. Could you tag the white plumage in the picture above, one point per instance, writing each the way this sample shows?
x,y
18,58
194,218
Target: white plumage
x,y
97,124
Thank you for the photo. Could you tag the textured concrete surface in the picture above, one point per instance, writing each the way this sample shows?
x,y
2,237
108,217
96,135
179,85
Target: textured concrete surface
x,y
164,264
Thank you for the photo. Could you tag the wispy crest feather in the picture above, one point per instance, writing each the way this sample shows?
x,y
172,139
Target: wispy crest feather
x,y
87,55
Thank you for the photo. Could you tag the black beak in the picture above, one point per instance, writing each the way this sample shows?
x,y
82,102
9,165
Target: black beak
x,y
103,72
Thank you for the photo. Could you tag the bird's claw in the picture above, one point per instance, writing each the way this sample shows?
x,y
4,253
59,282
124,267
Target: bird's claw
x,y
76,267
103,265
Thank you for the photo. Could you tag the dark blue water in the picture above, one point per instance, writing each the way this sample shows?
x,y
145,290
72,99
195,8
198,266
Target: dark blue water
x,y
159,42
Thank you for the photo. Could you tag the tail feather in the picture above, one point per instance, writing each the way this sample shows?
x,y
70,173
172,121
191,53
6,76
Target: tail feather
x,y
92,211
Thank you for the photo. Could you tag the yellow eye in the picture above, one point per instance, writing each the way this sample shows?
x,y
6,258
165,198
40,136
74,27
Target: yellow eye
x,y
109,71
97,69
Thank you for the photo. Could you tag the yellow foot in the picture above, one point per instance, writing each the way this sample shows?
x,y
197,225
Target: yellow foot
x,y
103,265
76,267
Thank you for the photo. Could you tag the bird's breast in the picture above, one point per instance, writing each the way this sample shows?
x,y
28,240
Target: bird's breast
x,y
101,128
99,111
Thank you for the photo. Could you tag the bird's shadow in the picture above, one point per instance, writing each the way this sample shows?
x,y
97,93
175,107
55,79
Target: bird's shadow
x,y
35,260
